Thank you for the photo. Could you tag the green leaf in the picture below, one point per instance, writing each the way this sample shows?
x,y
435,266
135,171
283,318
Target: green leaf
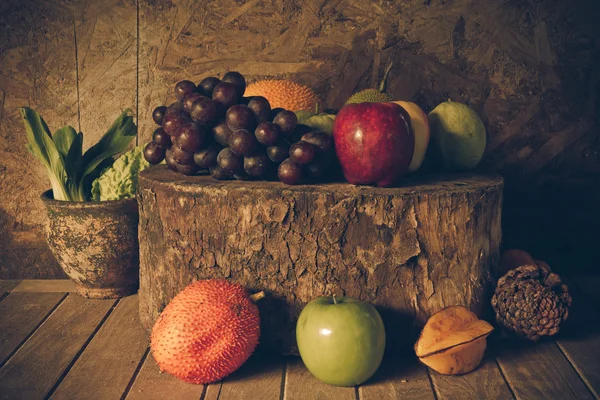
x,y
114,141
73,161
63,138
41,145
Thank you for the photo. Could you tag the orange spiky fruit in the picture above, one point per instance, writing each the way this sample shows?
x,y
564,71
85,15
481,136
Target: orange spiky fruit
x,y
206,332
282,93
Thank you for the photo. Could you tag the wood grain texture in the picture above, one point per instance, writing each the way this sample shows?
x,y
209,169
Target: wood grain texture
x,y
540,371
121,342
301,384
486,382
212,391
401,377
37,69
106,34
20,315
411,250
6,285
52,347
46,286
152,384
259,378
579,339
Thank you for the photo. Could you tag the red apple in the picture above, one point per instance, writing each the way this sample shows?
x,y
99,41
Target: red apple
x,y
374,142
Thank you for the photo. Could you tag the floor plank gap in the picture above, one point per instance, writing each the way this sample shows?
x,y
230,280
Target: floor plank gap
x,y
203,394
510,389
433,386
576,370
282,388
34,330
135,374
3,296
356,394
81,350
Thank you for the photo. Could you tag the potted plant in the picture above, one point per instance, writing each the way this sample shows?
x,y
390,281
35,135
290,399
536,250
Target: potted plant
x,y
92,226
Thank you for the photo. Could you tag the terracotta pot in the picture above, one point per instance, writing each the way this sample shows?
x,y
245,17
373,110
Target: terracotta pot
x,y
96,244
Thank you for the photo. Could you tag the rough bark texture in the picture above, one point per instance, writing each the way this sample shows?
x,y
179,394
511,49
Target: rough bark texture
x,y
411,250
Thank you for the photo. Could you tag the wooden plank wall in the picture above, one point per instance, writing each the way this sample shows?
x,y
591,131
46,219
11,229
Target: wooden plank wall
x,y
527,67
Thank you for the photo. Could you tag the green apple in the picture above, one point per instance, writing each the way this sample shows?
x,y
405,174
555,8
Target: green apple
x,y
341,340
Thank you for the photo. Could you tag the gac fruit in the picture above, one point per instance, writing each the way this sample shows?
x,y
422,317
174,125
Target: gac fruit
x,y
206,332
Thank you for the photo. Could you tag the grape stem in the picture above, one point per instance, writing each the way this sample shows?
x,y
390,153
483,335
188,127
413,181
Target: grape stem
x,y
257,296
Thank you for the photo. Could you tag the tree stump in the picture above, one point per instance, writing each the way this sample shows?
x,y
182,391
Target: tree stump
x,y
410,250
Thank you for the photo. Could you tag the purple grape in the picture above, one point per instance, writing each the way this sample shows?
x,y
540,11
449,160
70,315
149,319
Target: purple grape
x,y
221,133
227,94
170,160
240,117
190,137
204,111
184,88
267,133
286,120
153,153
220,173
274,112
175,106
256,165
289,172
158,114
302,152
206,158
208,84
181,156
242,142
189,100
187,169
173,121
161,138
261,109
237,79
279,152
229,161
321,140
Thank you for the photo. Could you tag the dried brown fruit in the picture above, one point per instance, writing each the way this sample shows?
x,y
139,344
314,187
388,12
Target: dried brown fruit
x,y
513,258
453,341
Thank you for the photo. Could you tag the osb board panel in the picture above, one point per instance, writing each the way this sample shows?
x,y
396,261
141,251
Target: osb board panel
x,y
37,69
106,34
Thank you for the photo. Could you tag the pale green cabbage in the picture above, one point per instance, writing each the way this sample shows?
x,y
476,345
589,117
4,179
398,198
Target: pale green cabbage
x,y
120,180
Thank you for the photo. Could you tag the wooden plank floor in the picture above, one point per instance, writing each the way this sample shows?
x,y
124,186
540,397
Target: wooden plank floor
x,y
57,345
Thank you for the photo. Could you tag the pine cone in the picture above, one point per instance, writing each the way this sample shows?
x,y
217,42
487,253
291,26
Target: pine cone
x,y
531,301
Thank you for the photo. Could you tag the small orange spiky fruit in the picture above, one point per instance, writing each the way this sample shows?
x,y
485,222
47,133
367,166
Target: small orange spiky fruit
x,y
282,93
206,332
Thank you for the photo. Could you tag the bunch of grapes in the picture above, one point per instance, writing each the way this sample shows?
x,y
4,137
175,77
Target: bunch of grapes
x,y
213,127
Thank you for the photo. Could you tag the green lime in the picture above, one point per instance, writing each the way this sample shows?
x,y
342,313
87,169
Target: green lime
x,y
458,135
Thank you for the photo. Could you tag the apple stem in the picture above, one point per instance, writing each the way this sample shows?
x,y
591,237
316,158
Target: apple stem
x,y
257,296
334,299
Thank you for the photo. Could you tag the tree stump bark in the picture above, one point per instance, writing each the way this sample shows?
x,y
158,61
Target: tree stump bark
x,y
411,250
